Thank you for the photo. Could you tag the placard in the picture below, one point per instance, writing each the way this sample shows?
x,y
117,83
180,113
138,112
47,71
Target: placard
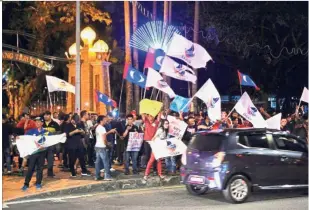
x,y
177,128
135,142
167,148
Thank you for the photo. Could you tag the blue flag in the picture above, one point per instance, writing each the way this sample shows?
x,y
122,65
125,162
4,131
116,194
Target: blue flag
x,y
105,99
134,76
178,104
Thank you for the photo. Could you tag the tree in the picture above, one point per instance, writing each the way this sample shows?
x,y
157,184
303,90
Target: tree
x,y
129,93
53,24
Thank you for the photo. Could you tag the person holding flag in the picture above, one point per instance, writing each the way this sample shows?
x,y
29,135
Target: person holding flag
x,y
36,160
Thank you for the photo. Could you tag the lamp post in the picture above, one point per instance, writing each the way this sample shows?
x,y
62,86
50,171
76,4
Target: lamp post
x,y
77,80
94,71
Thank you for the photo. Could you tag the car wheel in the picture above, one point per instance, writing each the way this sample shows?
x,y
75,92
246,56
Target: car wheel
x,y
197,190
238,189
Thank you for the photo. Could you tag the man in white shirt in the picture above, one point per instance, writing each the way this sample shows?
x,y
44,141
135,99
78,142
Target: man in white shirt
x,y
102,152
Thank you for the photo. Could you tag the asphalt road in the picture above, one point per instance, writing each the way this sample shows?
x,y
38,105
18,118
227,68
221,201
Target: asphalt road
x,y
169,198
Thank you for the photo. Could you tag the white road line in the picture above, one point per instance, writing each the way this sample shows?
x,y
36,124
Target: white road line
x,y
62,199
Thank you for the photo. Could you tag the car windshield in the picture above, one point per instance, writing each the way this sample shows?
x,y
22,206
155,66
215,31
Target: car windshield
x,y
209,142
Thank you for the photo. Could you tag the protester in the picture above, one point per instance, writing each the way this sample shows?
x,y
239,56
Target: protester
x,y
26,123
110,135
151,126
75,146
7,130
54,128
161,134
65,157
102,155
130,128
205,125
36,160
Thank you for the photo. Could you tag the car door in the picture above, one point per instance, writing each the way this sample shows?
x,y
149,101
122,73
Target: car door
x,y
292,159
259,158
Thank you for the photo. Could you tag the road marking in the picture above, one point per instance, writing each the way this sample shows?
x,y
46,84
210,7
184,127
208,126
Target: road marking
x,y
107,194
4,206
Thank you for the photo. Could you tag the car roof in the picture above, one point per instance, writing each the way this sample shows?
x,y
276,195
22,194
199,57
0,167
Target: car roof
x,y
241,130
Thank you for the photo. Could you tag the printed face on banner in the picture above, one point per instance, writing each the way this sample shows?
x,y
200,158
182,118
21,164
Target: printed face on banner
x,y
135,141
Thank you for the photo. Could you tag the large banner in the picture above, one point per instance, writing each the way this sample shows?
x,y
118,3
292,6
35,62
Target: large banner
x,y
135,141
167,148
177,128
28,145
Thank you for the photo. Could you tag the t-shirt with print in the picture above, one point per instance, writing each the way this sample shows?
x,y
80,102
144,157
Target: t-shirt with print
x,y
99,131
150,129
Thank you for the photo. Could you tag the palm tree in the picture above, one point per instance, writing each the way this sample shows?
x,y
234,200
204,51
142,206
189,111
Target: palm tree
x,y
129,92
135,56
166,100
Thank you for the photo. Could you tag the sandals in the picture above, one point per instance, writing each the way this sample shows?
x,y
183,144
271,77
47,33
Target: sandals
x,y
145,178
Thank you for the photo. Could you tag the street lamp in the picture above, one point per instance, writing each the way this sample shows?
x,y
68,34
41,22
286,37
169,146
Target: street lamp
x,y
88,35
72,49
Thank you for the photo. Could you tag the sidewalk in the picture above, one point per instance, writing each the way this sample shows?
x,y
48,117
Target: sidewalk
x,y
63,184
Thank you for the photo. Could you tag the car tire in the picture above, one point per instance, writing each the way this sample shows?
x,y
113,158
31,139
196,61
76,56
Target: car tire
x,y
195,190
237,190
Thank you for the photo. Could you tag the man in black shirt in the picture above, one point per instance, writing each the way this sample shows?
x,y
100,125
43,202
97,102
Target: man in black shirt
x,y
54,128
75,145
130,128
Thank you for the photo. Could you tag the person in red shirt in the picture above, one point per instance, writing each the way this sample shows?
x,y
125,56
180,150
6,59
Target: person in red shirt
x,y
151,127
26,123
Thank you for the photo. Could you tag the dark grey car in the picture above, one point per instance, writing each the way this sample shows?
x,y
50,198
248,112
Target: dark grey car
x,y
237,161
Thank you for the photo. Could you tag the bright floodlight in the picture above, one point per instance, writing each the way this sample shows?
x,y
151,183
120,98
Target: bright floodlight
x,y
154,34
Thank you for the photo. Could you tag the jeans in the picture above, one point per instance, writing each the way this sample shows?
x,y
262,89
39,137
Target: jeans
x,y
111,155
120,147
102,155
73,155
133,156
36,160
170,163
7,157
151,162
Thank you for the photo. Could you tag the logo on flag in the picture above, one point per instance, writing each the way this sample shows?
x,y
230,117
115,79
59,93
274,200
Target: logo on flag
x,y
40,142
105,99
190,52
134,76
154,59
251,111
212,102
162,84
179,69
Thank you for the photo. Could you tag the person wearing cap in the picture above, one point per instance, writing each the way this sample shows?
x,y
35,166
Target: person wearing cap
x,y
53,128
36,160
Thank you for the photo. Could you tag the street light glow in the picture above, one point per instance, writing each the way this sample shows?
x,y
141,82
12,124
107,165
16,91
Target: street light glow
x,y
88,35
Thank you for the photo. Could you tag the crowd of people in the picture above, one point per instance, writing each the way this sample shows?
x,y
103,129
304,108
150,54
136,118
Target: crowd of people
x,y
100,142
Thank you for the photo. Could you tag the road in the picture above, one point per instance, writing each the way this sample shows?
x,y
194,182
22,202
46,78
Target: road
x,y
168,198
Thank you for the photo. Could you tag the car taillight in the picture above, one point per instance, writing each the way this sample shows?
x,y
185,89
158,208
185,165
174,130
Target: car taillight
x,y
218,159
184,158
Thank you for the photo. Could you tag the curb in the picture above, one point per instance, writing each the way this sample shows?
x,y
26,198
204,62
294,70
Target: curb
x,y
105,187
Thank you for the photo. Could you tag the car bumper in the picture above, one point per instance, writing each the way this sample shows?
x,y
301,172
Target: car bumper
x,y
211,179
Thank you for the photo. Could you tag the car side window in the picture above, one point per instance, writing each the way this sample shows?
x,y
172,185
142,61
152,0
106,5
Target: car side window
x,y
242,139
289,143
258,140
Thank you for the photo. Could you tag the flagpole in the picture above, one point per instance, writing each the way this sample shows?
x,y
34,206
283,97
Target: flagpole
x,y
157,95
240,89
144,93
121,95
151,93
51,103
230,112
187,103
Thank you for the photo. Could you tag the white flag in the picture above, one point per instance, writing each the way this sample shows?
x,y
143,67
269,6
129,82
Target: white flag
x,y
305,95
210,95
274,122
28,145
246,108
193,54
167,148
56,84
178,71
154,79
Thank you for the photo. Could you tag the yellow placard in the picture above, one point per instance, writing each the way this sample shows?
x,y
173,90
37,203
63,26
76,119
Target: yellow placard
x,y
150,107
